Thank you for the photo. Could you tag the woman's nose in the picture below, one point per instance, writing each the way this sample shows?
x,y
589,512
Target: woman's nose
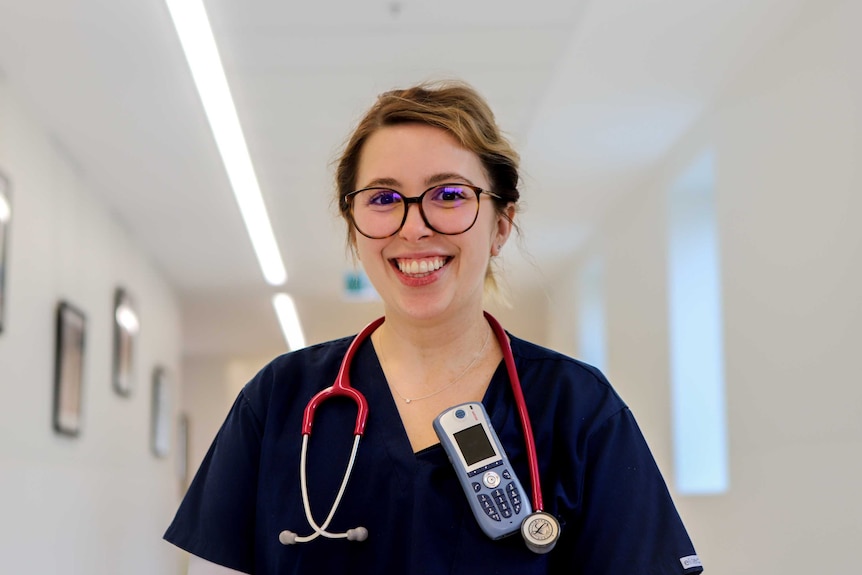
x,y
414,226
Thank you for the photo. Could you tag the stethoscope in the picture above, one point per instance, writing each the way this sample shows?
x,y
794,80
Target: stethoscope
x,y
540,529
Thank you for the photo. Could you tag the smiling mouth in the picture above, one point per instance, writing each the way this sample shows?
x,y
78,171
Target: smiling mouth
x,y
420,268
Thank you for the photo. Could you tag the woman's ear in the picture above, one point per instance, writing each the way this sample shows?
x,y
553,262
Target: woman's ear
x,y
505,222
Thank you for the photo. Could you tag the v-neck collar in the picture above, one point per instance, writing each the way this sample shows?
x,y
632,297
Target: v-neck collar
x,y
384,411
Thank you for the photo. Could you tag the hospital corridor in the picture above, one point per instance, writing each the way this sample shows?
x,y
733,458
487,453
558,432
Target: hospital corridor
x,y
690,189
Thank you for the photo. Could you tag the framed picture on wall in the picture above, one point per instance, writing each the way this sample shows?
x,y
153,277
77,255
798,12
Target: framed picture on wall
x,y
5,219
126,328
160,437
69,369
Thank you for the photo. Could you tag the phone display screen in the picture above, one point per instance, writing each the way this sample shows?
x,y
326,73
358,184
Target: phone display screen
x,y
474,445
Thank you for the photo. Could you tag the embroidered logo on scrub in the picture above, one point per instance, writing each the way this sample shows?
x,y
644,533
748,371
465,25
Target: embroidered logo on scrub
x,y
690,561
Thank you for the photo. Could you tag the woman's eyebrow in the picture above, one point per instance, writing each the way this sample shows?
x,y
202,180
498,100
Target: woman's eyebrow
x,y
445,177
383,183
441,178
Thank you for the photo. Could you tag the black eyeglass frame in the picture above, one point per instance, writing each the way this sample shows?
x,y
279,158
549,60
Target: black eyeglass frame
x,y
348,198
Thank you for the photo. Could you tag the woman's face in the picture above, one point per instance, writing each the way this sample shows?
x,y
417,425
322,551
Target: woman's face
x,y
410,158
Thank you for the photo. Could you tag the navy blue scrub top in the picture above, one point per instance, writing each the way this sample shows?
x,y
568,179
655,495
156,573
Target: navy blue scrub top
x,y
598,478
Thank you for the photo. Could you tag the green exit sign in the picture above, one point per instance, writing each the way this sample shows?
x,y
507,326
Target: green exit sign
x,y
357,287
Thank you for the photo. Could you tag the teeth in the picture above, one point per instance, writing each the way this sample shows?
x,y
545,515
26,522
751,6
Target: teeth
x,y
420,267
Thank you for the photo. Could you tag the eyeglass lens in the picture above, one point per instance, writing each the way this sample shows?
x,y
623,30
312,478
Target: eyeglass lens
x,y
447,209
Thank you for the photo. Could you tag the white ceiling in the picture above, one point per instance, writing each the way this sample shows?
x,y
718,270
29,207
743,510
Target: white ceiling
x,y
593,93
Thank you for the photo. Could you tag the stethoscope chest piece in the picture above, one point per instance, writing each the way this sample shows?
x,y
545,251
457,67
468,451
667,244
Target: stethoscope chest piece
x,y
540,531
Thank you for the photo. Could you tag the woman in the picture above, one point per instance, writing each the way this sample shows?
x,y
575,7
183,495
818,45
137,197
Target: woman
x,y
436,146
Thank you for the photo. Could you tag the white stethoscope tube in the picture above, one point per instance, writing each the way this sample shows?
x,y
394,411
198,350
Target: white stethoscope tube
x,y
357,534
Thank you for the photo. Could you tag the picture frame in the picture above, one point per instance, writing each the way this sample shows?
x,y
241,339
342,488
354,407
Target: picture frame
x,y
69,369
160,436
126,328
5,222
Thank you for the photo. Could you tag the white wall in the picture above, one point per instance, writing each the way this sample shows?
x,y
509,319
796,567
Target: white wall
x,y
787,137
98,503
210,386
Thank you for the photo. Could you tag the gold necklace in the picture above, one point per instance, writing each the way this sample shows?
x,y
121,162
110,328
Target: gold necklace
x,y
448,385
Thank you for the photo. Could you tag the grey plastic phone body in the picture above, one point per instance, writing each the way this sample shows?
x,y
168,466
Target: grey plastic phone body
x,y
496,497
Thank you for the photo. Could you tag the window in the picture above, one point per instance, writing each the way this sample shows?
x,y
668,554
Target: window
x,y
696,352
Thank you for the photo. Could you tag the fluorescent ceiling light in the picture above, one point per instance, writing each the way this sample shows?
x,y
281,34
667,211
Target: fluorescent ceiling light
x,y
289,320
196,37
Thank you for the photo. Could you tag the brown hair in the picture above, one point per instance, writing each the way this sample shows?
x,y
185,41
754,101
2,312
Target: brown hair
x,y
452,106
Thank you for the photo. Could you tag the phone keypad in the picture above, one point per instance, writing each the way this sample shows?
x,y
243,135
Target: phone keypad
x,y
503,502
514,497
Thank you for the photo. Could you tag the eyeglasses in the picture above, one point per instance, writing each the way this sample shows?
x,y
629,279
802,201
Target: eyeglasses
x,y
448,209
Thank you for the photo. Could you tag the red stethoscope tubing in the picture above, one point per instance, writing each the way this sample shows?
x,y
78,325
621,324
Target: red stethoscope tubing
x,y
342,388
521,404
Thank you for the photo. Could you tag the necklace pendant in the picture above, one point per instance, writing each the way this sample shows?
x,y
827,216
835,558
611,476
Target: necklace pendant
x,y
407,400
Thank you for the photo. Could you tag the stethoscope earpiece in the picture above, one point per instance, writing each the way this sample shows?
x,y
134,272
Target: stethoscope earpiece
x,y
357,534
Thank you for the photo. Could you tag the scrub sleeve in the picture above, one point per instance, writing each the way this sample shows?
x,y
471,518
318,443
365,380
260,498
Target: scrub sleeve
x,y
626,522
216,520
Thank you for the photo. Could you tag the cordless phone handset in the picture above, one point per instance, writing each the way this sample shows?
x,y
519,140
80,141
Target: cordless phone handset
x,y
496,497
